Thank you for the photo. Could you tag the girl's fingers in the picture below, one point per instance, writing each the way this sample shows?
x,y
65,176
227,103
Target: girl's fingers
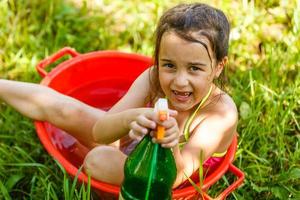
x,y
145,122
134,135
148,120
171,122
138,129
173,113
141,127
171,144
170,136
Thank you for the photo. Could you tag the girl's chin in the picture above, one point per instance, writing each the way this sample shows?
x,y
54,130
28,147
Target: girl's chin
x,y
181,106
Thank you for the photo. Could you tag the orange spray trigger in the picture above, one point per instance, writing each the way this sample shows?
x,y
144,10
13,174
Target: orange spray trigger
x,y
160,134
163,115
161,107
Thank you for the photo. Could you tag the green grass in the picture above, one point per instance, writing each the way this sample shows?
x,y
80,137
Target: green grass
x,y
263,79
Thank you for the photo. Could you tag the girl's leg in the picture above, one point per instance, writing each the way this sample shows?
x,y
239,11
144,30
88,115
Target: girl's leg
x,y
105,163
77,120
42,103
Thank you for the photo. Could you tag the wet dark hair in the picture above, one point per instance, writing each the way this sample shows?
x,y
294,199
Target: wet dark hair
x,y
198,18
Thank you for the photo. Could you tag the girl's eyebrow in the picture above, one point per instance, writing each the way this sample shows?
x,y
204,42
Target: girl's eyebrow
x,y
190,63
166,60
197,63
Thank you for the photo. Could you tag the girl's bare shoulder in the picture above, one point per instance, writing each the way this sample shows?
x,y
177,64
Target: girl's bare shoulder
x,y
222,105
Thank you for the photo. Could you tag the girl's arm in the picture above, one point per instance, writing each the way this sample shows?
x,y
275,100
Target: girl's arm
x,y
42,103
215,132
117,122
111,127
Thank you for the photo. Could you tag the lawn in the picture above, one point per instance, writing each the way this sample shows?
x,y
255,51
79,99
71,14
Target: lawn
x,y
263,79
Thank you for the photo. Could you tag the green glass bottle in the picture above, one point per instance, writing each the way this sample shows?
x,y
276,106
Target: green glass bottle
x,y
149,172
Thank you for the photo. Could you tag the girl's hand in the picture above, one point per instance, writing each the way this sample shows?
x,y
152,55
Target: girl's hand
x,y
147,123
141,126
171,137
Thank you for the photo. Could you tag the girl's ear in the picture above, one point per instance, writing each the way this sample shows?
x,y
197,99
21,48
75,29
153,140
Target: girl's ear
x,y
220,66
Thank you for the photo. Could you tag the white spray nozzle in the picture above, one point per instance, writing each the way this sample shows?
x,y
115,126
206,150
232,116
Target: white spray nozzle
x,y
161,107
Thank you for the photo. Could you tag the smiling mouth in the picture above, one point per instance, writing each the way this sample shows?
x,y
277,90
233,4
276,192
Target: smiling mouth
x,y
182,94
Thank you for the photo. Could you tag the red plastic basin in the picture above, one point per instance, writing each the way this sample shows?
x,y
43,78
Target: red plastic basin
x,y
100,79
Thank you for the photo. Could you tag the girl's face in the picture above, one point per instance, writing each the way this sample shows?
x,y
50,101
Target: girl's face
x,y
185,70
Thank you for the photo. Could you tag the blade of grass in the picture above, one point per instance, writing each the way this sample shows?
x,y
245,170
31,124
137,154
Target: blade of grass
x,y
4,191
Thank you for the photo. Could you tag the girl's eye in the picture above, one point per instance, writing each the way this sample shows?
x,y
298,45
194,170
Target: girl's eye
x,y
169,65
194,68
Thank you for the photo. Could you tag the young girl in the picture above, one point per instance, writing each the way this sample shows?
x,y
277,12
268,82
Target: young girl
x,y
189,58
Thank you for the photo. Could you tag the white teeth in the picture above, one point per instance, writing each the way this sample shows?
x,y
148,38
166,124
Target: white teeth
x,y
181,93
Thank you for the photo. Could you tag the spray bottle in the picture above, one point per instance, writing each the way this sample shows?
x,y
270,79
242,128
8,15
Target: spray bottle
x,y
150,170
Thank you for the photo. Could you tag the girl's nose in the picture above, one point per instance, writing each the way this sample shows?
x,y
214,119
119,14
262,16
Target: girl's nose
x,y
181,80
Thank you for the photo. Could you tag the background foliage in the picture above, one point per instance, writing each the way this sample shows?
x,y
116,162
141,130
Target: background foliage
x,y
263,79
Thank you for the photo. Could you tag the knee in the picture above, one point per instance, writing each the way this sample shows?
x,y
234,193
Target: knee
x,y
105,163
96,158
